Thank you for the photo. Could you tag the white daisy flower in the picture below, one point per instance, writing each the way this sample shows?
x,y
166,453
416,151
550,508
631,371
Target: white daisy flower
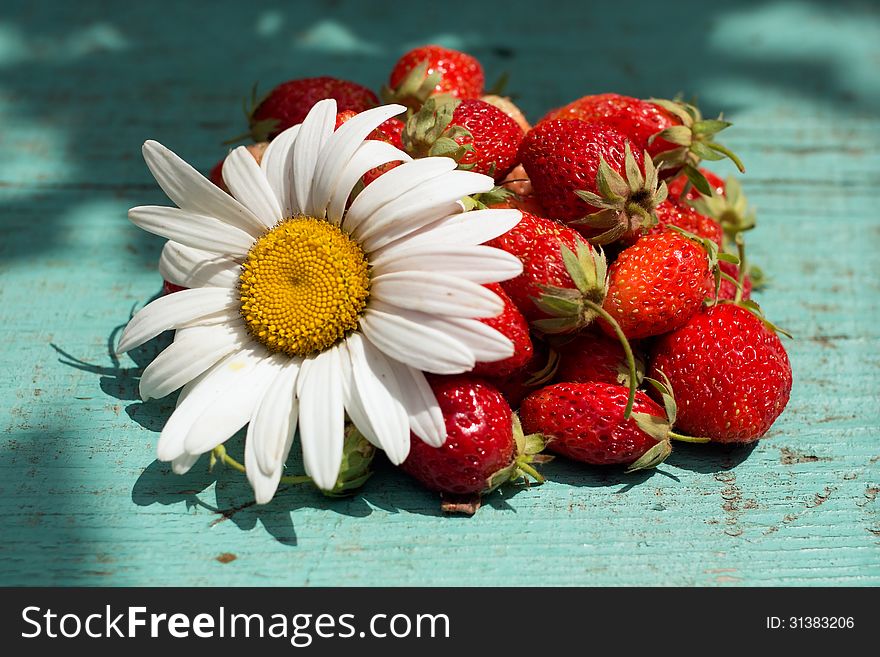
x,y
302,309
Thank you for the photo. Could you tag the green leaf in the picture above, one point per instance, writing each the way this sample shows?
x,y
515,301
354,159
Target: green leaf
x,y
574,269
678,134
709,127
697,179
653,457
702,150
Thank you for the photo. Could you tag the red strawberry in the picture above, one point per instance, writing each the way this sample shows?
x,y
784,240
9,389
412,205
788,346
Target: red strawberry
x,y
508,107
536,242
393,130
638,119
171,288
687,218
677,185
585,422
484,445
513,326
673,133
594,357
288,103
216,173
587,176
730,373
432,70
656,285
477,135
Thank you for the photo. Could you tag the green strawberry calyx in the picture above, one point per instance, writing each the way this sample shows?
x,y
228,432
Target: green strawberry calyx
x,y
485,200
431,133
730,209
660,428
625,204
257,130
694,140
414,89
529,450
571,310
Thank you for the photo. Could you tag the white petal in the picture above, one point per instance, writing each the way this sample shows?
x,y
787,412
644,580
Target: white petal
x,y
195,230
174,311
393,184
419,207
425,418
275,420
313,134
321,417
232,408
369,155
440,294
480,264
487,344
193,351
270,434
247,182
228,316
170,447
340,148
189,190
378,395
182,464
418,346
466,228
277,164
189,267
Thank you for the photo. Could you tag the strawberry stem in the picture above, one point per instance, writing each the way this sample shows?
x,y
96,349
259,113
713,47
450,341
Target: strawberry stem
x,y
687,439
743,267
523,464
630,360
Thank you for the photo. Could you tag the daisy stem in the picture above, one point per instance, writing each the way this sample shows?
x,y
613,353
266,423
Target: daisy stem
x,y
630,360
220,454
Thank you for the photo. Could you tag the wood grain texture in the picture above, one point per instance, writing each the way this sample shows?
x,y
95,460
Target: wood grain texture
x,y
82,500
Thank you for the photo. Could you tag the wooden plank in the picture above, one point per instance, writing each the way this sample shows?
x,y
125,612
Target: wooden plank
x,y
82,500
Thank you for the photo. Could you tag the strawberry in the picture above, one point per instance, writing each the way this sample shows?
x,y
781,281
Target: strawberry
x,y
513,326
171,288
687,218
657,284
393,130
477,135
677,186
575,169
508,107
432,70
216,173
594,357
287,104
536,241
730,373
484,445
674,133
585,422
563,284
638,119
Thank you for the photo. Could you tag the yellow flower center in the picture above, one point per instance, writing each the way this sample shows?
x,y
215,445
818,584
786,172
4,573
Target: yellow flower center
x,y
303,286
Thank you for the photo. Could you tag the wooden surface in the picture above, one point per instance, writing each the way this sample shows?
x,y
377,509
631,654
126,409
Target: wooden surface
x,y
82,500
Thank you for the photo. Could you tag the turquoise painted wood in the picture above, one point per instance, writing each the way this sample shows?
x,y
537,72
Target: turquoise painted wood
x,y
82,500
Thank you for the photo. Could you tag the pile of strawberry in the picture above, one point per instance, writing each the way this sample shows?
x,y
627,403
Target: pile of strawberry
x,y
632,320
